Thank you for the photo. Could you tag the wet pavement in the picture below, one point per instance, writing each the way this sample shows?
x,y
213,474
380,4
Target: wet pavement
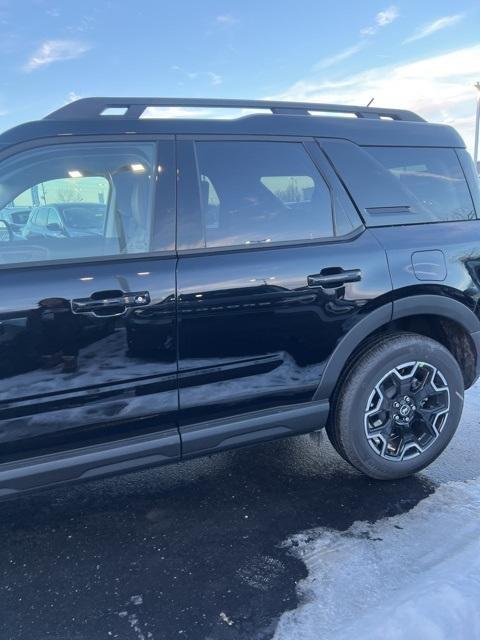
x,y
192,550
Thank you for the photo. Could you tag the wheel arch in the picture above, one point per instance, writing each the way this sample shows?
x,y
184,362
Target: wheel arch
x,y
445,319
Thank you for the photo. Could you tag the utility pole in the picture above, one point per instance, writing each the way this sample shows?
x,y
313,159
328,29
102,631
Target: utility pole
x,y
477,127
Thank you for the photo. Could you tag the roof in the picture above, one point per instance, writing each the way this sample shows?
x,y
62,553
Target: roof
x,y
368,126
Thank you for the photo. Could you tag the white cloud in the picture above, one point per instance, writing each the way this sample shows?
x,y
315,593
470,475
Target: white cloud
x,y
214,78
439,88
382,19
339,57
387,16
55,51
433,27
226,20
72,96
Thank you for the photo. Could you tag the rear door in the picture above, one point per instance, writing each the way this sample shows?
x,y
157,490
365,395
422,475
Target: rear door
x,y
87,319
274,269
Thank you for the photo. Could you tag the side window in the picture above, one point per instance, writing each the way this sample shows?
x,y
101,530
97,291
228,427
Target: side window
x,y
402,185
260,192
432,177
101,193
290,189
53,217
41,219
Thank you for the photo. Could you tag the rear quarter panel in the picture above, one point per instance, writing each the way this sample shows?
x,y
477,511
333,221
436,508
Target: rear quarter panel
x,y
459,242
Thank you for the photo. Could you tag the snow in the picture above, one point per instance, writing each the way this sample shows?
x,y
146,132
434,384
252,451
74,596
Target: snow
x,y
415,576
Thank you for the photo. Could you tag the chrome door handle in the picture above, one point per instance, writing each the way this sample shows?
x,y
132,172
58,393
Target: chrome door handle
x,y
106,304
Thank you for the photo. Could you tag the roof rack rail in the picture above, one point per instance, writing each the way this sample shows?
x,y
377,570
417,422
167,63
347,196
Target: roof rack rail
x,y
133,108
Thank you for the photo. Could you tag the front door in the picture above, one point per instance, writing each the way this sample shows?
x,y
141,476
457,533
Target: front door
x,y
269,279
87,311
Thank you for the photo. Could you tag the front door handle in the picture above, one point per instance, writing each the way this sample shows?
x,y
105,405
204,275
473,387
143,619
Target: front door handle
x,y
331,280
106,304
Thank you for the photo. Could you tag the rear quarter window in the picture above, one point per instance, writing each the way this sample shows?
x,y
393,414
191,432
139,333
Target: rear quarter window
x,y
433,179
404,185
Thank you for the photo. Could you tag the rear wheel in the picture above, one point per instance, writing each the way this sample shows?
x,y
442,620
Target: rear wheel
x,y
398,407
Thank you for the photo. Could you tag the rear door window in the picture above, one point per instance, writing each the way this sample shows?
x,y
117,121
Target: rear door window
x,y
255,192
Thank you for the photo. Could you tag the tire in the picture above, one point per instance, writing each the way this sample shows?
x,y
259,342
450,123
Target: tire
x,y
376,424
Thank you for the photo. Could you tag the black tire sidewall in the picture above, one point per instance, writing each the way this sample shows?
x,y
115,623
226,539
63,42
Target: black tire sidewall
x,y
360,383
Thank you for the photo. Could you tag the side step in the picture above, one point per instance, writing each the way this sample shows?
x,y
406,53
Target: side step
x,y
88,462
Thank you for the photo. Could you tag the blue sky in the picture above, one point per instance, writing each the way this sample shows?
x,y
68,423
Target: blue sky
x,y
420,55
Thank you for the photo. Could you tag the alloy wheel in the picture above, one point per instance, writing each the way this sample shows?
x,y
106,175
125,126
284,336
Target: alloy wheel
x,y
407,410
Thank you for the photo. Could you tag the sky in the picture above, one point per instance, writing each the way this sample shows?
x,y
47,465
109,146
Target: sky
x,y
423,56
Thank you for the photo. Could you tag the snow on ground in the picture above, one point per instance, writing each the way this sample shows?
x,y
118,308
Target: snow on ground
x,y
415,576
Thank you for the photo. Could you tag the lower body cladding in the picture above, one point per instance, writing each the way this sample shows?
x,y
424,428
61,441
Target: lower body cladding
x,y
136,453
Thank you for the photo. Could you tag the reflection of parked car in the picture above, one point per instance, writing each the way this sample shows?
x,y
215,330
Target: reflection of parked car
x,y
15,217
70,220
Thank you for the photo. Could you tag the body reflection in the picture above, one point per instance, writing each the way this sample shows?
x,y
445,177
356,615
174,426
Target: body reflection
x,y
68,376
260,337
55,334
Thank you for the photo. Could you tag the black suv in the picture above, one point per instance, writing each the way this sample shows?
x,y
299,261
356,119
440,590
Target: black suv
x,y
247,279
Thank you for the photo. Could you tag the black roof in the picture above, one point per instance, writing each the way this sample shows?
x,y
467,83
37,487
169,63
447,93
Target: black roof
x,y
368,126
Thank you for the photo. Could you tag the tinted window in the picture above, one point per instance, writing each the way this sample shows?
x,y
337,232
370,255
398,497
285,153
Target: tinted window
x,y
259,192
9,214
432,179
53,217
41,218
84,216
104,192
20,217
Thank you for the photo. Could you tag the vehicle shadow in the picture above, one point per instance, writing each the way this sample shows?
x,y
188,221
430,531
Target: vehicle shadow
x,y
192,551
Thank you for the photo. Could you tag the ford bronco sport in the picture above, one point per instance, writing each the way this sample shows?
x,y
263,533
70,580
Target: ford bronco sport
x,y
187,285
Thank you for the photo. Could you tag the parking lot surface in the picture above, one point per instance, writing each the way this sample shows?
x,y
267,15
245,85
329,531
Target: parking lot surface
x,y
192,550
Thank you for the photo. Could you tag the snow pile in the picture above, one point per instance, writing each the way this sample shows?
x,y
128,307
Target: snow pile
x,y
410,577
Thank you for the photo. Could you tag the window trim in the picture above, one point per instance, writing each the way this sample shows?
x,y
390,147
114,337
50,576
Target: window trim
x,y
336,186
284,244
474,193
49,141
192,139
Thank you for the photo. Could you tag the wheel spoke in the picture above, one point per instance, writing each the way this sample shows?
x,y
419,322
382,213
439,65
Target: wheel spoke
x,y
430,417
384,429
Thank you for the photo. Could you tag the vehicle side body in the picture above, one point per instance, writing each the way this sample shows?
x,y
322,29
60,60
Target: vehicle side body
x,y
220,346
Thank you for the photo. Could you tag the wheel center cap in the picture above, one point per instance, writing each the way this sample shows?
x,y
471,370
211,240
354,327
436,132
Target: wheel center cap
x,y
405,409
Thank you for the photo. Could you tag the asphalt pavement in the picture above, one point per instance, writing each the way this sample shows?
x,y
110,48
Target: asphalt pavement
x,y
192,550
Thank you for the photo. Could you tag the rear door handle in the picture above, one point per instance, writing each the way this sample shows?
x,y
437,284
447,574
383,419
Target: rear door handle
x,y
330,280
106,304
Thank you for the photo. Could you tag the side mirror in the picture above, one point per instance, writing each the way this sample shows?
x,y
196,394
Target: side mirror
x,y
6,234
